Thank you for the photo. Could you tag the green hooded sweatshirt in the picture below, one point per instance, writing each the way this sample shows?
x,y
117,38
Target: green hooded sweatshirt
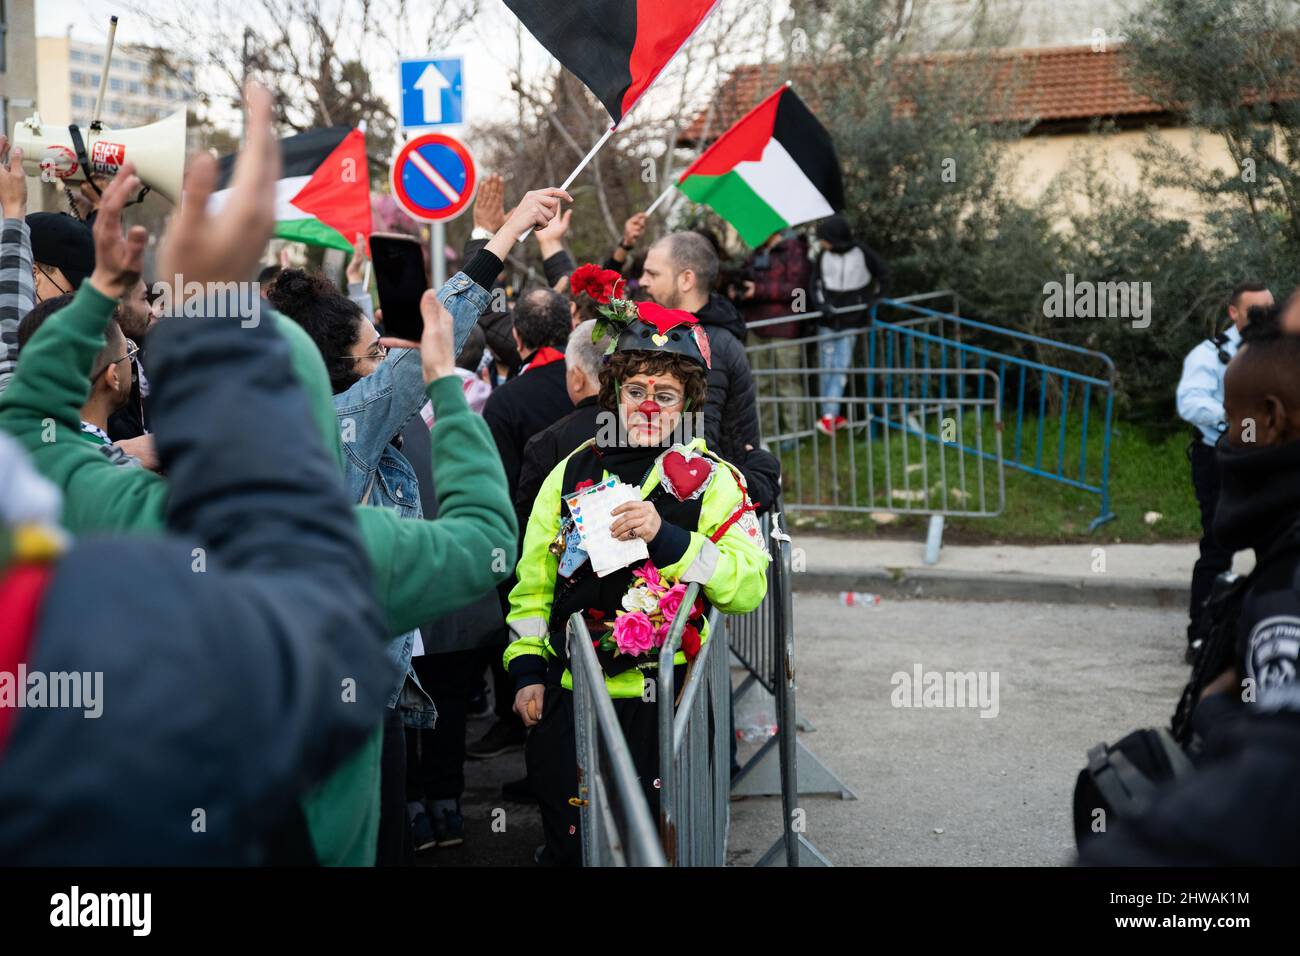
x,y
422,569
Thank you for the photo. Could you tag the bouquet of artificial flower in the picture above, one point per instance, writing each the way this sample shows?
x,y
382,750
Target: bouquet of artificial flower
x,y
649,607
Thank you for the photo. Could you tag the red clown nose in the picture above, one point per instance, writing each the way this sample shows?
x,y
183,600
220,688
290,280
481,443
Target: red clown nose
x,y
648,408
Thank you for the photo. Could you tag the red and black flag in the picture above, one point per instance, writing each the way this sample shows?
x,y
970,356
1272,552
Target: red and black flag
x,y
616,47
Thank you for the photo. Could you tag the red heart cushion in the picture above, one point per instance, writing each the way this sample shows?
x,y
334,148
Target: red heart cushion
x,y
686,476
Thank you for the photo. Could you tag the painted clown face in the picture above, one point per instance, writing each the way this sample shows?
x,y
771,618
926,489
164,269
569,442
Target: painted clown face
x,y
650,406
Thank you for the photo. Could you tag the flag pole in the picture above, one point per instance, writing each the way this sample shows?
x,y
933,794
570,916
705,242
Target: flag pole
x,y
662,196
580,167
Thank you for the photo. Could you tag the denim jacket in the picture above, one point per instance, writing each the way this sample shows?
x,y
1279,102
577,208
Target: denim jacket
x,y
370,414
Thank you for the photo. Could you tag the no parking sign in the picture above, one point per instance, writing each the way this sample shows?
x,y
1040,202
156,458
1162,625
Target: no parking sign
x,y
433,178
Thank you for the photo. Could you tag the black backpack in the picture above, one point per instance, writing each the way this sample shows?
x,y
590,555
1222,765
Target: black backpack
x,y
1121,778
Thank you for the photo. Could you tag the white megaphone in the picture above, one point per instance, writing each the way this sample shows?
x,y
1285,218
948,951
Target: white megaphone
x,y
157,150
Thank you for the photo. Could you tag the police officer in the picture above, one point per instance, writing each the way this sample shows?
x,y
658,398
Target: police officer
x,y
1200,404
1240,714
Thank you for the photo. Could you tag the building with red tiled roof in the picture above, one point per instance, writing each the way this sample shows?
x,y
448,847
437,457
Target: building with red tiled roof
x,y
1060,89
1061,94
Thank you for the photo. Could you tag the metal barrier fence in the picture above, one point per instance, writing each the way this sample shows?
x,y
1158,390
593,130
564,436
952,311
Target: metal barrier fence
x,y
1062,395
694,750
617,826
763,642
695,786
1068,386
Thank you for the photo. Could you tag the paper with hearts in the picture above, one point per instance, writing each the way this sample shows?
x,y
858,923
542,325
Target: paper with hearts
x,y
591,510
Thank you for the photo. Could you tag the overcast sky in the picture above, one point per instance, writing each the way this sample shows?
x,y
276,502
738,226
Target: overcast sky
x,y
487,59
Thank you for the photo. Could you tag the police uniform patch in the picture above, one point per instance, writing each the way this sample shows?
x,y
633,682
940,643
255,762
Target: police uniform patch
x,y
1272,651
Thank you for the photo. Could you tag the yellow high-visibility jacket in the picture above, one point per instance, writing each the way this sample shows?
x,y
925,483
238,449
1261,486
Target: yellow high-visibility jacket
x,y
732,573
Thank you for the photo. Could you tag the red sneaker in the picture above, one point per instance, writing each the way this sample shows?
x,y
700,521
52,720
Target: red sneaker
x,y
841,422
827,425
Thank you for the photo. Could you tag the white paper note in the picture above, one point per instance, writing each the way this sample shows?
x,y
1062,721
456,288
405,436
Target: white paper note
x,y
591,510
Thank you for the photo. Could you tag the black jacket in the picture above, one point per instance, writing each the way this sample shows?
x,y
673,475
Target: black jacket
x,y
225,683
520,408
731,410
547,449
495,323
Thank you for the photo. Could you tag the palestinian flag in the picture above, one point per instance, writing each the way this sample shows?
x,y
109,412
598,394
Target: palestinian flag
x,y
323,196
774,169
616,47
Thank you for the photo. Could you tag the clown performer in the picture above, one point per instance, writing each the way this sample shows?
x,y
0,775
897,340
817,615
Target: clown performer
x,y
696,521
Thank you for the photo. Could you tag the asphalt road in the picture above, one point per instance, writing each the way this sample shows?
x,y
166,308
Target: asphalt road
x,y
936,785
943,785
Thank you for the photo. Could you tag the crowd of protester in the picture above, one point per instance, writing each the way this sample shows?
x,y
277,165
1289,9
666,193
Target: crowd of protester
x,y
302,554
287,544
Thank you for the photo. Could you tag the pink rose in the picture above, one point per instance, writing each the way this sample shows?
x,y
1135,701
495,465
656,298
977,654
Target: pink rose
x,y
661,633
633,633
650,574
671,601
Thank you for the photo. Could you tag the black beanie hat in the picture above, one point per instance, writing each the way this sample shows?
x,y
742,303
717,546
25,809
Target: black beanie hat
x,y
64,242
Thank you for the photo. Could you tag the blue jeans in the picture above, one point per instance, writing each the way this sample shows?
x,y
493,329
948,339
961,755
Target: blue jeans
x,y
834,355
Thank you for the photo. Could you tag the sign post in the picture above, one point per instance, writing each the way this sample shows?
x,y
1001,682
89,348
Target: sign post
x,y
433,180
433,94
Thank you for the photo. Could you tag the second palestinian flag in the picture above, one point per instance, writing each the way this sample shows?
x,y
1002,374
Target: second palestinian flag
x,y
323,195
774,169
616,47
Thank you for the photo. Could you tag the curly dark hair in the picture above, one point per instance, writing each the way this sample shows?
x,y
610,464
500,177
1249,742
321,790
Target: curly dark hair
x,y
331,319
623,365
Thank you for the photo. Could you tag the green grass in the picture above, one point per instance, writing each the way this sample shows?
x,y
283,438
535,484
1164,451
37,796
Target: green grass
x,y
1146,475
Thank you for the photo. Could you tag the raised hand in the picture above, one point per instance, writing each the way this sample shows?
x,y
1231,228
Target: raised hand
x,y
535,211
119,259
13,181
634,229
356,270
551,238
489,204
225,247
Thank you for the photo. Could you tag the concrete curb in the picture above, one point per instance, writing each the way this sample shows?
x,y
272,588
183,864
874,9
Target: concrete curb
x,y
928,583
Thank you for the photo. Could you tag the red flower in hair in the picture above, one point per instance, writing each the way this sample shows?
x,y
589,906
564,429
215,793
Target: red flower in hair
x,y
601,284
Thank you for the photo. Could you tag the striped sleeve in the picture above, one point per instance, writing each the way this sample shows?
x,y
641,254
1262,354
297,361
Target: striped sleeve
x,y
17,291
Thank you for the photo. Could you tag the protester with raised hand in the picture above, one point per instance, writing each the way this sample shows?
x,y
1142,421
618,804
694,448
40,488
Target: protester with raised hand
x,y
376,393
620,259
17,282
217,701
358,275
556,261
409,559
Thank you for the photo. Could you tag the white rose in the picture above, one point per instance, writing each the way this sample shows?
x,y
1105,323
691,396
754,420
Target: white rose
x,y
640,599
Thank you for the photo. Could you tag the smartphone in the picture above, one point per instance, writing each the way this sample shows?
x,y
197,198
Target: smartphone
x,y
401,280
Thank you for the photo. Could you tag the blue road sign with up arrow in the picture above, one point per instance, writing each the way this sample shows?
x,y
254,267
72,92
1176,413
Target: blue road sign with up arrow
x,y
432,92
